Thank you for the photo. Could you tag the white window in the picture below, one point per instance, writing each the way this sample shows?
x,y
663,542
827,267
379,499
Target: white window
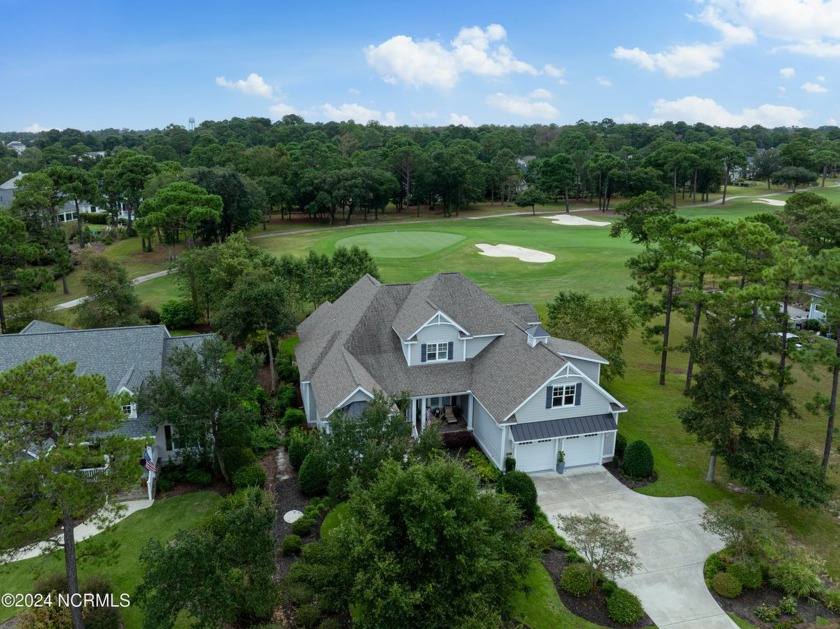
x,y
436,351
563,395
169,439
130,410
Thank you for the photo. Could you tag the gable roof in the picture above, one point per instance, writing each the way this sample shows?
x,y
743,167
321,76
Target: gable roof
x,y
356,342
124,356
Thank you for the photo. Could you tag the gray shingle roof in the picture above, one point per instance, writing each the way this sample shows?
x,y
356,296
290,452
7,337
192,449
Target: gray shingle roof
x,y
564,347
551,428
39,327
124,356
525,313
354,342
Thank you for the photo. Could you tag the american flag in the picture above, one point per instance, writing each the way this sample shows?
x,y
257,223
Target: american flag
x,y
150,465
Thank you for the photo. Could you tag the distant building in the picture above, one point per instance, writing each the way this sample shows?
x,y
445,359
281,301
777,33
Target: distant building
x,y
17,147
66,212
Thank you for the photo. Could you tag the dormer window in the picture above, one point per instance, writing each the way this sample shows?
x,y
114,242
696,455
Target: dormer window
x,y
435,352
130,410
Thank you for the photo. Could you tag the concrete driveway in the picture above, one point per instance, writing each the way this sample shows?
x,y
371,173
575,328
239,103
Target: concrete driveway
x,y
669,541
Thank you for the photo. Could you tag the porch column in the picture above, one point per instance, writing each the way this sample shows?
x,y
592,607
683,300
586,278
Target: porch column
x,y
423,415
469,411
504,445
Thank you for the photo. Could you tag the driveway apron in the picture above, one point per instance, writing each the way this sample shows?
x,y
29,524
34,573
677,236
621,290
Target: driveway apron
x,y
669,541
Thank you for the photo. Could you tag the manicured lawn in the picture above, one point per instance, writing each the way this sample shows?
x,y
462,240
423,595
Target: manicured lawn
x,y
335,516
120,566
402,243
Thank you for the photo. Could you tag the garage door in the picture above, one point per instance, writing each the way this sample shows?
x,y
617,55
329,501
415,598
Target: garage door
x,y
583,450
535,456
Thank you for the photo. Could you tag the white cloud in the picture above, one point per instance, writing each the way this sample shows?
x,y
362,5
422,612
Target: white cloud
x,y
36,128
540,93
787,73
628,118
677,61
474,50
814,88
354,92
604,81
832,122
522,106
278,110
693,109
359,113
424,115
555,73
821,78
458,119
810,27
732,34
253,85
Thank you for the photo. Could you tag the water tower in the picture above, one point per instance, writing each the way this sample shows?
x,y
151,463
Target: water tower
x,y
192,124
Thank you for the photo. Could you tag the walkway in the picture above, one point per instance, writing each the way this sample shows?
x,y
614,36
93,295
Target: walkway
x,y
137,280
671,545
83,530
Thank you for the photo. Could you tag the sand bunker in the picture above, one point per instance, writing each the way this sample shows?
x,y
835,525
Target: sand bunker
x,y
574,221
778,202
511,251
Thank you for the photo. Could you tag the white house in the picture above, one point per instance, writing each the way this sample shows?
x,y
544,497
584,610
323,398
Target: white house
x,y
521,392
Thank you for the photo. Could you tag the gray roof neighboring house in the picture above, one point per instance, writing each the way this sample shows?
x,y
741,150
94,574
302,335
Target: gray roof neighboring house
x,y
124,356
356,342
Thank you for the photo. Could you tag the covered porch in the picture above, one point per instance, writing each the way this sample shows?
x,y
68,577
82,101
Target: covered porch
x,y
451,413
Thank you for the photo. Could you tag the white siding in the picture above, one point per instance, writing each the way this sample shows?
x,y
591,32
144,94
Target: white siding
x,y
437,333
309,405
358,396
609,446
487,433
592,402
592,370
475,345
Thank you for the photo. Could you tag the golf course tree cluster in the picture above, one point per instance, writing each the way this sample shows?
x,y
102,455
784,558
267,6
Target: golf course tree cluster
x,y
46,407
729,279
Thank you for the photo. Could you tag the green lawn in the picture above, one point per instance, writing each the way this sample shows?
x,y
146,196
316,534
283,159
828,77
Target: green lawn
x,y
402,243
121,567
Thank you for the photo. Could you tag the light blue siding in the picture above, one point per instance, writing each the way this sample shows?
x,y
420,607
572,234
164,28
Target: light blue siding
x,y
589,368
592,402
437,333
475,345
487,433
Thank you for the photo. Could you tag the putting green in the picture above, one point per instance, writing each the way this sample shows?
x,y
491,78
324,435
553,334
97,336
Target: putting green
x,y
401,244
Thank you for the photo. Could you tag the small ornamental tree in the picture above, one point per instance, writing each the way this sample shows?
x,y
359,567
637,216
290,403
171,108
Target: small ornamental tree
x,y
607,548
748,532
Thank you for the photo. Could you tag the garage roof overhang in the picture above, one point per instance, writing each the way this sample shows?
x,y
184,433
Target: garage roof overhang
x,y
553,428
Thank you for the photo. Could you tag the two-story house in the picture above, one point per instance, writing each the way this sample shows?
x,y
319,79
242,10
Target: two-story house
x,y
447,343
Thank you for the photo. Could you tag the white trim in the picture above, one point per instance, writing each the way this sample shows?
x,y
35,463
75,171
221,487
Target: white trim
x,y
591,360
439,315
344,401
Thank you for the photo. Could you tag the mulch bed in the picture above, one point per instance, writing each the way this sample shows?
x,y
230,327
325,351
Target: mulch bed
x,y
593,606
744,605
632,483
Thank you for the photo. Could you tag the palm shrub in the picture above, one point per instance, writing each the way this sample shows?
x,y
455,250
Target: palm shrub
x,y
521,487
575,580
638,460
624,607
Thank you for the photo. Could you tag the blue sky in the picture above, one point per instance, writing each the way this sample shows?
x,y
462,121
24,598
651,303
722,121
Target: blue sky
x,y
97,64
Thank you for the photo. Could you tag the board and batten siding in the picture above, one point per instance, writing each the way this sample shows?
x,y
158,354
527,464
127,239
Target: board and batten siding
x,y
475,345
437,333
592,370
592,402
609,447
487,432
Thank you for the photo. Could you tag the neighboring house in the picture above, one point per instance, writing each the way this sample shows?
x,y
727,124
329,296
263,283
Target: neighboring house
x,y
447,343
124,356
67,212
814,310
16,146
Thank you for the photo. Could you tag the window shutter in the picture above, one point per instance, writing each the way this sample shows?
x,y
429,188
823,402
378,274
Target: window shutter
x,y
548,396
423,353
449,351
578,387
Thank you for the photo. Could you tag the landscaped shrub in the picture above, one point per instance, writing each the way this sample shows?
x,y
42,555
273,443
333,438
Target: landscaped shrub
x,y
147,313
510,464
178,314
316,507
94,218
726,585
748,572
487,472
55,582
314,475
522,488
249,476
713,565
264,438
787,605
608,586
540,538
765,613
199,477
796,577
573,557
329,623
620,444
308,615
285,398
638,460
303,526
291,545
831,599
100,616
164,484
285,367
293,417
624,607
575,580
300,444
237,458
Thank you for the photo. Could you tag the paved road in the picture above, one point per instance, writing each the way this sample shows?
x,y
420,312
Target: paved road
x,y
670,543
